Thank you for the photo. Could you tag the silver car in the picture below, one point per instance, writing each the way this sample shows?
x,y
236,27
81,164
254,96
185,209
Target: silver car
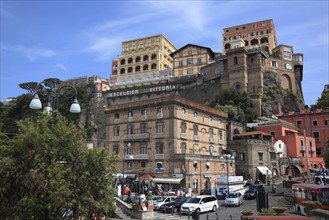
x,y
234,199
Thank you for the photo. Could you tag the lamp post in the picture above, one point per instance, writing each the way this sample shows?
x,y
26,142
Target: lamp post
x,y
125,148
228,159
54,91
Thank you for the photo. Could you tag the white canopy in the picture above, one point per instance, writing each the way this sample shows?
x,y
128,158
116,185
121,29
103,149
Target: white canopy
x,y
264,170
167,180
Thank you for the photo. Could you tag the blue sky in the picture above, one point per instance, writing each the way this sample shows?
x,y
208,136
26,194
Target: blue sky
x,y
67,39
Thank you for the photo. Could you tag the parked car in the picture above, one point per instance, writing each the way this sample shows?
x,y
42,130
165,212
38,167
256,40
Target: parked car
x,y
251,193
205,192
175,205
162,200
234,199
200,204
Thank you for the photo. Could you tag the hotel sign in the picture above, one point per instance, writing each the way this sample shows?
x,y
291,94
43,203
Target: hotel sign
x,y
165,88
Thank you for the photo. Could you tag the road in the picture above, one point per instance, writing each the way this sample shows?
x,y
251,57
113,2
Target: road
x,y
230,213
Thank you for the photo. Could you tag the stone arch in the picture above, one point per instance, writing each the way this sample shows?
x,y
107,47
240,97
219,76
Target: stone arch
x,y
293,170
246,43
286,82
254,42
264,40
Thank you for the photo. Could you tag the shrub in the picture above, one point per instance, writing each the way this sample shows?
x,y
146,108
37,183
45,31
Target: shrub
x,y
267,212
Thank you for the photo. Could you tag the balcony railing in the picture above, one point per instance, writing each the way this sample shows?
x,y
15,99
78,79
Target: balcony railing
x,y
159,156
143,117
196,137
211,140
183,135
129,137
220,141
136,157
159,135
116,138
159,115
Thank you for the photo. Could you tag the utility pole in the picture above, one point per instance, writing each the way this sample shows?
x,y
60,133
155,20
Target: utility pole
x,y
307,162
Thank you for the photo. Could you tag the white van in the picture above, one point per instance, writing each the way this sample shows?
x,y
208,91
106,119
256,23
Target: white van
x,y
200,204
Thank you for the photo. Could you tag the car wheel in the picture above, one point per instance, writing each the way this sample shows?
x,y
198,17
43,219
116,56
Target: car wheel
x,y
175,210
198,211
214,208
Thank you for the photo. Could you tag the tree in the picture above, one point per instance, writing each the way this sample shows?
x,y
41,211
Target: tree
x,y
326,154
237,104
323,101
47,169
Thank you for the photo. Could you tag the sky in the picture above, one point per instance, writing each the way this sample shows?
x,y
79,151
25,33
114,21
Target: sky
x,y
69,39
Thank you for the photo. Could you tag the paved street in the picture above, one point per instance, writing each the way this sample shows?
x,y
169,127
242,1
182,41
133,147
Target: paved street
x,y
233,213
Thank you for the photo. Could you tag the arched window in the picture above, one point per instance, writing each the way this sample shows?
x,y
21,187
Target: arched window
x,y
235,60
254,42
153,57
137,69
138,59
227,46
146,58
237,87
246,43
130,70
153,66
145,67
130,60
264,40
122,71
123,62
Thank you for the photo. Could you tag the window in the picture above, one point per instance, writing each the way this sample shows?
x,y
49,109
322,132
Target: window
x,y
252,61
143,148
254,25
288,66
199,61
159,148
180,64
183,127
130,129
143,128
287,55
311,148
189,61
263,23
260,157
242,156
315,122
244,27
130,114
143,112
141,45
143,164
272,133
196,115
272,156
183,148
211,133
195,129
274,64
220,135
235,60
116,149
299,122
159,127
236,28
227,30
116,131
326,121
183,112
316,135
129,165
159,110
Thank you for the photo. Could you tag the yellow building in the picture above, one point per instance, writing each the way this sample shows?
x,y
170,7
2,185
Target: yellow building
x,y
190,58
142,60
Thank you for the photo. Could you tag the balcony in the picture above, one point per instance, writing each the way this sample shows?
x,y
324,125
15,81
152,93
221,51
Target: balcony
x,y
159,156
143,117
196,137
116,138
195,119
136,137
136,157
130,119
220,142
116,121
159,135
183,136
211,140
159,115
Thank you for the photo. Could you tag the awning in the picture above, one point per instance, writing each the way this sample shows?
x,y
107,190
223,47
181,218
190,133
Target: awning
x,y
207,164
264,170
167,180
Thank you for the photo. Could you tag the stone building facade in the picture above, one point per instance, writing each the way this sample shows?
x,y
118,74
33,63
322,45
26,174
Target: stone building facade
x,y
176,141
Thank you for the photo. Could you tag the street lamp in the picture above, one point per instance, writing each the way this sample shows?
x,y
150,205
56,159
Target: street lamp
x,y
125,148
54,93
228,158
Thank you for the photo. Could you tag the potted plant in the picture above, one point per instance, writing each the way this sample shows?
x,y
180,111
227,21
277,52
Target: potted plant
x,y
279,210
149,202
310,205
267,212
247,212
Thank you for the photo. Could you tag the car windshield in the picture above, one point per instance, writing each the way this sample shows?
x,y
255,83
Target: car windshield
x,y
178,199
161,199
184,199
232,195
193,200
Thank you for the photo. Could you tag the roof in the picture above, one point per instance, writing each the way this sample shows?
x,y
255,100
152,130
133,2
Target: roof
x,y
304,112
193,45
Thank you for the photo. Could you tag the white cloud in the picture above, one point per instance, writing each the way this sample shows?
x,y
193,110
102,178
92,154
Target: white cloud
x,y
34,53
61,66
6,14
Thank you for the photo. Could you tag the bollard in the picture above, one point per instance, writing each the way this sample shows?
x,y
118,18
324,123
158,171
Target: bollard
x,y
188,214
165,211
217,216
172,210
231,217
180,213
207,215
